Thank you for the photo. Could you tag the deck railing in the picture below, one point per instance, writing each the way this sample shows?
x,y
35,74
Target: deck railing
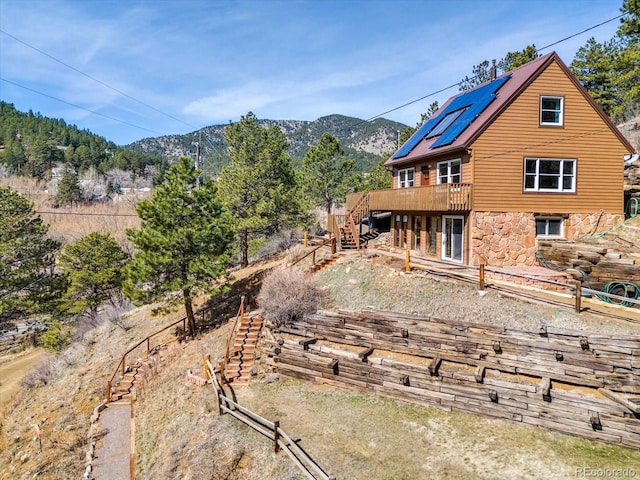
x,y
446,197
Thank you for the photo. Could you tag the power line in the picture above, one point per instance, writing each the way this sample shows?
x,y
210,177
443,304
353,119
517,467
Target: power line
x,y
583,31
88,214
104,84
80,107
477,76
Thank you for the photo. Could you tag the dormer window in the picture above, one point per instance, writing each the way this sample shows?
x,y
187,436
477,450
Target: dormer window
x,y
551,111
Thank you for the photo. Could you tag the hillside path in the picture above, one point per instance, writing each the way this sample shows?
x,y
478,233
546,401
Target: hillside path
x,y
114,453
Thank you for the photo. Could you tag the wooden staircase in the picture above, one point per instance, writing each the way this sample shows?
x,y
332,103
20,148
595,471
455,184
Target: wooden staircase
x,y
322,264
350,238
238,368
123,389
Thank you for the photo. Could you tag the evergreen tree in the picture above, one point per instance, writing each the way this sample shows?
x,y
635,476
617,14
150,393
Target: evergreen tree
x,y
69,190
28,282
258,186
328,175
593,66
481,73
380,176
182,244
93,266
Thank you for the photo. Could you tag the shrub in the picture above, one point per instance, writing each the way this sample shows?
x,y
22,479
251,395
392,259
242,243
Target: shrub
x,y
40,375
287,295
57,337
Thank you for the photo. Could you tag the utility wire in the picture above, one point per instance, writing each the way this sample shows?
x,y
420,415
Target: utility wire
x,y
477,76
97,80
80,107
87,214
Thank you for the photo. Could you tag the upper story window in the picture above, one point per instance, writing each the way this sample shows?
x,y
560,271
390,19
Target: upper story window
x,y
449,171
549,175
551,111
405,177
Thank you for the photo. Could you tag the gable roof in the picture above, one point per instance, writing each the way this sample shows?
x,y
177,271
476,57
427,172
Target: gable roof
x,y
462,118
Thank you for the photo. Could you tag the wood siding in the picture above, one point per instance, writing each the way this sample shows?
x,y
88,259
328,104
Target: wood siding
x,y
498,154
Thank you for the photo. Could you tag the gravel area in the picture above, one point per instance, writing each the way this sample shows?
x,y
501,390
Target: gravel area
x,y
355,282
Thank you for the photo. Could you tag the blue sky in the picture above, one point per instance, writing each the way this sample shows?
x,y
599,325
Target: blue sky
x,y
199,63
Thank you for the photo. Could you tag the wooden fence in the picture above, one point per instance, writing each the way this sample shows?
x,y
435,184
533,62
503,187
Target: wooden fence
x,y
572,382
271,430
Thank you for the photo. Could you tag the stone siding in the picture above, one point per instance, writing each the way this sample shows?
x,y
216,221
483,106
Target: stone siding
x,y
507,239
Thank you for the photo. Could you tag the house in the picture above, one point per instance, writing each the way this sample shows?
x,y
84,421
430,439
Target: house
x,y
525,156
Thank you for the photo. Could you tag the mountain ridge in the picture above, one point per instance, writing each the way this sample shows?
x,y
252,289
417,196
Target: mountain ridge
x,y
362,140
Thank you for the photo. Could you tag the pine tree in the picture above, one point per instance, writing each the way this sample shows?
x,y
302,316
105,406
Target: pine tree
x,y
28,282
69,190
259,185
182,244
93,266
328,175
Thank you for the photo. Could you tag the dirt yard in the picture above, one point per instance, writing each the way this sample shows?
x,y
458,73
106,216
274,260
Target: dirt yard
x,y
13,368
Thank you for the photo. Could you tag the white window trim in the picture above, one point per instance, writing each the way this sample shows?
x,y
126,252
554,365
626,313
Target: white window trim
x,y
560,188
547,235
553,124
448,175
406,183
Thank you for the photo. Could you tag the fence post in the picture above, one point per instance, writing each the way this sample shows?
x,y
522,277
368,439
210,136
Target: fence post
x,y
207,374
108,396
123,362
333,245
148,346
407,261
276,436
482,276
314,258
306,240
578,296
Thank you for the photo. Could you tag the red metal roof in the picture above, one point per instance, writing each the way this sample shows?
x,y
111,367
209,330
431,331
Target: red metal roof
x,y
519,79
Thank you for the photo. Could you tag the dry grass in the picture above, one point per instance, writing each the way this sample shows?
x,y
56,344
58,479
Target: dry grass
x,y
70,224
179,434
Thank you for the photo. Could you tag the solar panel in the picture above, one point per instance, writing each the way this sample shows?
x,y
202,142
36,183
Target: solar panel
x,y
480,99
471,104
415,138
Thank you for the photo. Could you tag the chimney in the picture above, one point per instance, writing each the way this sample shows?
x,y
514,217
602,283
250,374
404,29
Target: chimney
x,y
494,70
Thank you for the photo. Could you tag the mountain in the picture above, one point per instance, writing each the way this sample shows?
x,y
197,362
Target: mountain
x,y
362,140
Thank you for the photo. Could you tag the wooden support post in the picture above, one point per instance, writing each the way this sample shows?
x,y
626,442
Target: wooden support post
x,y
124,361
313,262
545,389
333,246
584,343
434,366
305,343
148,346
578,296
407,261
108,396
207,374
482,276
276,436
306,239
365,354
